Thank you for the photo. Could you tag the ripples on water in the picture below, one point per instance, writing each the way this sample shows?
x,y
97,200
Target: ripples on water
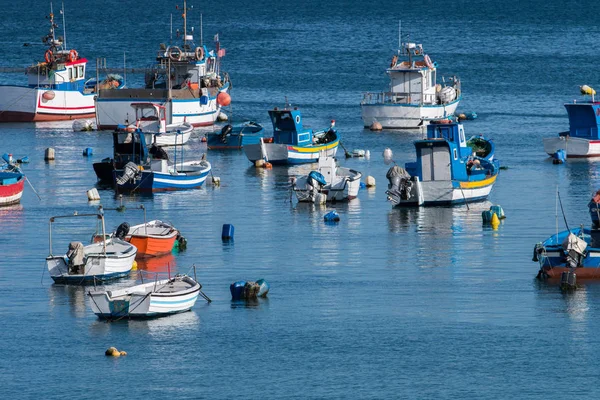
x,y
421,303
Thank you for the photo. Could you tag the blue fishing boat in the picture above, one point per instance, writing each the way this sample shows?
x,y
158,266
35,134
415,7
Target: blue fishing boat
x,y
235,137
292,143
128,146
573,250
583,137
447,170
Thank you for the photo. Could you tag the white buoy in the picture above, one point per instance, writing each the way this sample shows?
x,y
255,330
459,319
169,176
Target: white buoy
x,y
370,181
93,194
376,126
387,156
222,117
367,154
216,181
259,163
49,154
358,153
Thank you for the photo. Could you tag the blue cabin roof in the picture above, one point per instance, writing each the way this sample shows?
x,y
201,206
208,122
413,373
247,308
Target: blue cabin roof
x,y
288,129
584,119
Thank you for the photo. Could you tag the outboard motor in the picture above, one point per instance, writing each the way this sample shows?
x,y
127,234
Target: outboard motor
x,y
399,182
130,171
316,179
225,132
122,231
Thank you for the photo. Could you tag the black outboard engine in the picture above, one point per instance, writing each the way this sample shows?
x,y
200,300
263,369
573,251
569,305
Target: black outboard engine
x,y
400,183
225,132
122,231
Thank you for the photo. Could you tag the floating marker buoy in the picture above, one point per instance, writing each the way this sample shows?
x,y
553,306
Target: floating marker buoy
x,y
222,117
49,154
387,156
461,117
358,153
88,151
498,211
487,216
367,154
332,216
216,181
223,99
93,194
259,163
370,181
134,266
227,232
123,353
585,89
376,126
495,221
203,140
268,165
112,352
559,157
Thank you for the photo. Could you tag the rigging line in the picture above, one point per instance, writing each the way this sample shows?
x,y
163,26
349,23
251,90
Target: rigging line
x,y
563,212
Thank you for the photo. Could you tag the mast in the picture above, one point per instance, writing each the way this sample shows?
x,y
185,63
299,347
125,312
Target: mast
x,y
200,29
62,11
184,23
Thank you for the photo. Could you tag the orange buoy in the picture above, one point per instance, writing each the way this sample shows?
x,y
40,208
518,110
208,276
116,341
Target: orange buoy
x,y
203,139
48,56
223,99
268,165
49,95
73,55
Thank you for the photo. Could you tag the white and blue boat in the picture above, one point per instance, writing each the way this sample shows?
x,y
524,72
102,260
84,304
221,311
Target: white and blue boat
x,y
235,137
186,79
414,97
292,143
447,170
107,257
573,250
583,137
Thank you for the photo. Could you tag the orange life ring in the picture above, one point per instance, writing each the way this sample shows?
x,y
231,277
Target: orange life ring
x,y
394,61
73,55
199,53
48,56
172,56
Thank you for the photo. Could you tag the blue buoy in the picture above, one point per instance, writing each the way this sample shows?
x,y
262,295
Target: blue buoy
x,y
559,157
238,290
227,233
332,216
88,151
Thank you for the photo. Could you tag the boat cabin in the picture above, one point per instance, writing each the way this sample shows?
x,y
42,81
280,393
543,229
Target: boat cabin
x,y
584,119
150,117
288,129
443,155
131,146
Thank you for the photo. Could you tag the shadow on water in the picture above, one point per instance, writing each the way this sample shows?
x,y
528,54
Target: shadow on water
x,y
259,302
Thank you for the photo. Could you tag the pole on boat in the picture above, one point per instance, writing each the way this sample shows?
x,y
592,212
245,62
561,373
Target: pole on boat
x,y
145,223
50,234
101,215
200,29
62,11
124,68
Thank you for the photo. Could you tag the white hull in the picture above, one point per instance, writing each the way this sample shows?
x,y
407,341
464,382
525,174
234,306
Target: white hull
x,y
442,193
147,300
342,183
172,138
24,104
400,116
575,147
118,262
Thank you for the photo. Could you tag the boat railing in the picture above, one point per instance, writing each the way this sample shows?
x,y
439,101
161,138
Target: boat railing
x,y
397,98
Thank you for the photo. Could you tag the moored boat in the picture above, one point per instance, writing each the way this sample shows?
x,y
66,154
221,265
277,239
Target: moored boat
x,y
446,171
151,119
57,88
108,257
414,97
12,182
327,183
292,143
186,79
148,300
583,137
574,250
235,137
152,238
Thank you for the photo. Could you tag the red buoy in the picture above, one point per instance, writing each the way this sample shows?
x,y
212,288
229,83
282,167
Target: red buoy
x,y
223,99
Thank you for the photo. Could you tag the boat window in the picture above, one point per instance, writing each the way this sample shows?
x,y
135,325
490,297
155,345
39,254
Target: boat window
x,y
462,136
70,74
81,71
455,154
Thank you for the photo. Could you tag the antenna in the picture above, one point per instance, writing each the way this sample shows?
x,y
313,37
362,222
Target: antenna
x,y
62,11
171,27
400,34
201,30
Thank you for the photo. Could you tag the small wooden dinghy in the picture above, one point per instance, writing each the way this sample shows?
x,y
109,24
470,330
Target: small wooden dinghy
x,y
148,300
152,238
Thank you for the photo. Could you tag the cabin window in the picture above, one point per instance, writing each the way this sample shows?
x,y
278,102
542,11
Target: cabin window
x,y
455,154
70,74
80,71
462,136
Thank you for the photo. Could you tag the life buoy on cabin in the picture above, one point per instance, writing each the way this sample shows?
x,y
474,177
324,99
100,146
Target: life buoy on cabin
x,y
174,53
417,51
428,61
49,95
394,61
199,53
73,55
48,56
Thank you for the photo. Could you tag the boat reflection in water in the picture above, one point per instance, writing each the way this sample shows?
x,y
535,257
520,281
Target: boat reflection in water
x,y
162,263
71,295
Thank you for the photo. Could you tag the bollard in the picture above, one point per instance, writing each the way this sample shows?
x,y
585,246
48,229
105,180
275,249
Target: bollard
x,y
49,154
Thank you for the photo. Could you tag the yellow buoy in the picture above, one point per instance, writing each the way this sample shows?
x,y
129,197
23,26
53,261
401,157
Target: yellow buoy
x,y
585,89
112,352
495,221
123,353
376,126
134,266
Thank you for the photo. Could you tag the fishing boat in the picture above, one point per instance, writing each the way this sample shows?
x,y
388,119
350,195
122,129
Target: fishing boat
x,y
12,182
327,183
163,175
583,137
575,250
129,145
292,143
152,299
151,119
447,171
414,97
235,137
152,238
57,88
107,257
186,80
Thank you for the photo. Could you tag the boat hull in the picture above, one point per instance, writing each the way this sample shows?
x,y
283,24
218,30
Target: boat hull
x,y
157,181
282,154
27,104
153,238
236,139
171,138
405,116
344,188
574,147
12,193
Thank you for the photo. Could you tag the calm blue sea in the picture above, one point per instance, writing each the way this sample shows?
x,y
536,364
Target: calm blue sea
x,y
417,303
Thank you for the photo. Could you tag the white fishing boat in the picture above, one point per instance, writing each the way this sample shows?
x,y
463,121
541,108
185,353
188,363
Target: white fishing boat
x,y
147,300
328,183
151,118
186,79
414,97
56,88
105,259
